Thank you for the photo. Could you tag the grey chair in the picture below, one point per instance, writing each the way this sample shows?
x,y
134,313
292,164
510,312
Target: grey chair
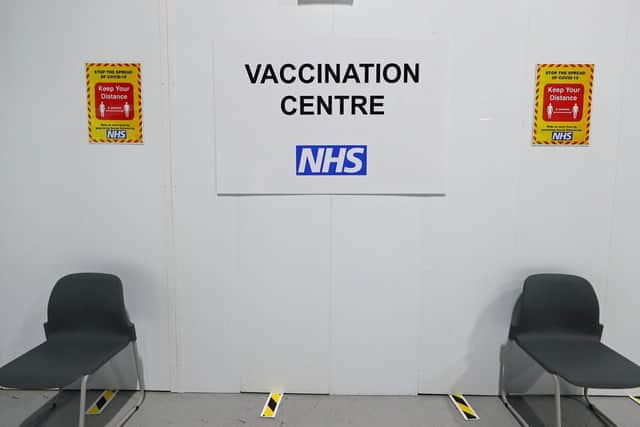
x,y
87,325
556,322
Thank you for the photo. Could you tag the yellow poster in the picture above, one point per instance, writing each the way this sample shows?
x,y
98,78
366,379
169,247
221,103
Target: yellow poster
x,y
114,103
563,104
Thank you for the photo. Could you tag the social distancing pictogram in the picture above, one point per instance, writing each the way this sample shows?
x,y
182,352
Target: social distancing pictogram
x,y
564,94
114,103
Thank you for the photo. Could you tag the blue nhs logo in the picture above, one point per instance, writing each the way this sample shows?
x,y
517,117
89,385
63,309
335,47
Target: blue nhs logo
x,y
331,159
116,133
562,136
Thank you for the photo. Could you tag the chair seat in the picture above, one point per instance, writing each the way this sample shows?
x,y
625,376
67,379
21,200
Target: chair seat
x,y
581,360
61,360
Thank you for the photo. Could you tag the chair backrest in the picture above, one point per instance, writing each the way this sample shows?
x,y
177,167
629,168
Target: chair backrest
x,y
88,303
557,304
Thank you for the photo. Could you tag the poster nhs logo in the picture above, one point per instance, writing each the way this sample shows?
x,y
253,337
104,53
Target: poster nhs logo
x,y
117,133
331,159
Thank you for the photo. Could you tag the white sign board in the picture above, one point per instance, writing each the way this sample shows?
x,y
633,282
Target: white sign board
x,y
330,117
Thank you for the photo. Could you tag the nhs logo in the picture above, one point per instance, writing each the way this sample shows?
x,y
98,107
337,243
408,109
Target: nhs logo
x,y
562,136
331,159
116,133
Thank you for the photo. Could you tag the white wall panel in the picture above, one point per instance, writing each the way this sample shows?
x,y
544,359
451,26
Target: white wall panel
x,y
375,291
388,295
511,209
283,293
205,225
253,274
470,281
623,293
565,195
68,206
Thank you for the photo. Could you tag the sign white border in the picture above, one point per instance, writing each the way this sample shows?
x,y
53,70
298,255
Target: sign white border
x,y
256,142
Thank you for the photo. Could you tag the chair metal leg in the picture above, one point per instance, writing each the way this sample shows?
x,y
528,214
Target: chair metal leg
x,y
140,375
598,413
83,401
504,396
139,371
558,406
518,417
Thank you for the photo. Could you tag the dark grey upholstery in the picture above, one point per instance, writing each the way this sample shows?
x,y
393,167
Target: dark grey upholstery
x,y
90,303
87,325
556,321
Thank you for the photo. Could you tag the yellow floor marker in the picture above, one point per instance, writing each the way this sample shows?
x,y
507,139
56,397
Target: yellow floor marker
x,y
271,407
463,406
635,399
101,402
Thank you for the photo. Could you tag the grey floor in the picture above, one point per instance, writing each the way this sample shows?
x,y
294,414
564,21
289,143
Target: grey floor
x,y
242,410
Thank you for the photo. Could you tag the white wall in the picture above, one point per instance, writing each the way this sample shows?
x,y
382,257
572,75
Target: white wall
x,y
623,292
339,294
68,206
253,272
394,295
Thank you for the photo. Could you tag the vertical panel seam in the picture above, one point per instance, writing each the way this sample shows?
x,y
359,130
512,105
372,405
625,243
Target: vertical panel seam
x,y
167,63
621,117
330,352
